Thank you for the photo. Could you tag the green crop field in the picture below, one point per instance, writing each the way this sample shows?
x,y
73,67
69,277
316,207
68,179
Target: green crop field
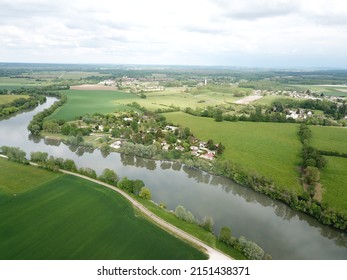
x,y
334,182
4,99
81,102
71,218
270,149
330,90
178,97
329,138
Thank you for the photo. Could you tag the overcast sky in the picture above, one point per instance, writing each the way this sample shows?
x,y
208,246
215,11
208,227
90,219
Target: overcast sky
x,y
267,33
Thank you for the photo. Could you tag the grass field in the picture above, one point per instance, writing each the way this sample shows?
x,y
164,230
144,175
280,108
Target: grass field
x,y
334,181
329,138
81,102
71,218
330,90
4,99
178,97
270,149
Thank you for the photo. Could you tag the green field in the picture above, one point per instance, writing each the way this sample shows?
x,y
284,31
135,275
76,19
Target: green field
x,y
270,149
330,90
177,97
329,138
4,99
81,102
334,182
71,218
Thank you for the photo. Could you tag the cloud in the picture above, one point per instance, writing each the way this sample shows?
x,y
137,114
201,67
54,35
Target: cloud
x,y
257,9
171,32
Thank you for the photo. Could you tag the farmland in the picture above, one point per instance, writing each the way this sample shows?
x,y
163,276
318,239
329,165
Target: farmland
x,y
334,181
81,102
88,101
65,217
4,99
332,139
269,149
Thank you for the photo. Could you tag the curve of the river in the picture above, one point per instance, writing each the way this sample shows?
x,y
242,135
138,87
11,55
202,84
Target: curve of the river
x,y
281,231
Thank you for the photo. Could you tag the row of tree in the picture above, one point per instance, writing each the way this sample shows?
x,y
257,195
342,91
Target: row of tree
x,y
313,161
36,124
250,249
20,104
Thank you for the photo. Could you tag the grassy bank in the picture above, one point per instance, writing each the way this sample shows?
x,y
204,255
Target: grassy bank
x,y
193,229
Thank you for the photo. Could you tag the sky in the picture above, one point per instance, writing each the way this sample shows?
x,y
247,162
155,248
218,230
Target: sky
x,y
245,33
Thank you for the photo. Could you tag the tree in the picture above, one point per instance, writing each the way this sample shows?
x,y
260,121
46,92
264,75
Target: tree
x,y
145,193
207,223
218,115
312,175
14,154
137,186
225,234
180,212
109,176
38,157
220,148
115,132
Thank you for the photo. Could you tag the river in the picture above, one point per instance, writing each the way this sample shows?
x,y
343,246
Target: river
x,y
279,230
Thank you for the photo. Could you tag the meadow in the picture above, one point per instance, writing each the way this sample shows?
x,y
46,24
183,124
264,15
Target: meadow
x,y
4,99
180,98
65,217
268,149
331,90
82,102
332,139
334,182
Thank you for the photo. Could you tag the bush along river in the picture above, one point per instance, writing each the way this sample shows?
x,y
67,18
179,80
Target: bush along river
x,y
279,230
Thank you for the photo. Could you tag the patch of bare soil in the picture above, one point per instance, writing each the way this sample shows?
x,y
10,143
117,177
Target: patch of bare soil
x,y
93,87
318,193
248,99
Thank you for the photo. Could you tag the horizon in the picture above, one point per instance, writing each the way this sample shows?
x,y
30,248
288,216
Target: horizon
x,y
216,67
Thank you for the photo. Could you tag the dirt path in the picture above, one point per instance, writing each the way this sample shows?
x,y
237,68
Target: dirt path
x,y
213,253
248,99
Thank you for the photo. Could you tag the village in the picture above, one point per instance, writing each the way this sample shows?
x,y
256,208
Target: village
x,y
121,132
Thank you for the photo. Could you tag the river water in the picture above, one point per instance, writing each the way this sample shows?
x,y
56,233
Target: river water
x,y
279,230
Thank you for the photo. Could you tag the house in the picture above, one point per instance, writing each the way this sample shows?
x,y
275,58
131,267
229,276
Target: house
x,y
170,128
209,156
116,144
179,148
202,145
